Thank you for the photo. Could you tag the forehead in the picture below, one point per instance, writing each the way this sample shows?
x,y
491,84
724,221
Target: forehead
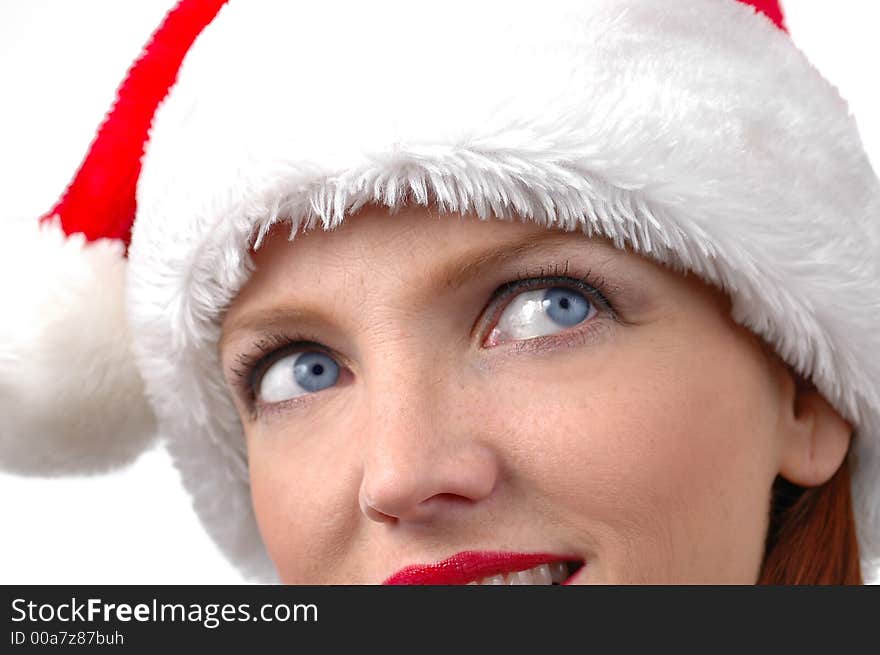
x,y
419,235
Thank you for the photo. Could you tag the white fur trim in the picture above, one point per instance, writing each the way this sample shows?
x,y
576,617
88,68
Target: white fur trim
x,y
71,397
693,131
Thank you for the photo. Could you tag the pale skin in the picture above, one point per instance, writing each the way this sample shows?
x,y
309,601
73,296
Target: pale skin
x,y
647,447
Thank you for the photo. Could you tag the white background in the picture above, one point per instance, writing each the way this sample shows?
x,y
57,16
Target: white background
x,y
60,63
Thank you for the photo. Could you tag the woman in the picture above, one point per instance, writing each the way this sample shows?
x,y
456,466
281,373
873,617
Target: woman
x,y
572,413
567,313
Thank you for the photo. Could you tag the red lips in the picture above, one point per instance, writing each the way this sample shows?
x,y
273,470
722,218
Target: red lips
x,y
468,566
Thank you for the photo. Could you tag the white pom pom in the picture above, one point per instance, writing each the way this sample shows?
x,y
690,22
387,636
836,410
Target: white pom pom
x,y
71,398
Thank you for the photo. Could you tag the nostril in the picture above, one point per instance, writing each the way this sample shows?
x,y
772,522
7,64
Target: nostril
x,y
370,510
453,499
404,480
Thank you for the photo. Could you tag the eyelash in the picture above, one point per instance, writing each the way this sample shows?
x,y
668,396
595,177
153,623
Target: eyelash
x,y
272,346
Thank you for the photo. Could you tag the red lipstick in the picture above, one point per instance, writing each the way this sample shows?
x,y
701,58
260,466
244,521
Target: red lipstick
x,y
468,566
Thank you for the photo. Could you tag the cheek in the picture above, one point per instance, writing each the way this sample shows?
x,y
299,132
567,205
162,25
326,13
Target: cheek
x,y
660,459
301,507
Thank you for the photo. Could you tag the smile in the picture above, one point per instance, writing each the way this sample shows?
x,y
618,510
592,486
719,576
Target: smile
x,y
491,568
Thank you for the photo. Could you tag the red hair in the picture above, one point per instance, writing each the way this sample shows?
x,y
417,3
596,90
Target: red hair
x,y
812,534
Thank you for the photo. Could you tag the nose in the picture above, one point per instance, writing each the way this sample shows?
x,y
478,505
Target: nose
x,y
421,461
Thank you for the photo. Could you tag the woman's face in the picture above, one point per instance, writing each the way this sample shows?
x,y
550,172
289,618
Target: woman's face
x,y
465,387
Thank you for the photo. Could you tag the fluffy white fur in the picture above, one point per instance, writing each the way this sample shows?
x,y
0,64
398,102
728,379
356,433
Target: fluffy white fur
x,y
694,131
71,397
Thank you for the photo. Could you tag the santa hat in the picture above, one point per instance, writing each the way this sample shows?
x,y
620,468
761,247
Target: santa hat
x,y
694,132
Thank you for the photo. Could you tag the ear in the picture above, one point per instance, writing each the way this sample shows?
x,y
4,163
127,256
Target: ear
x,y
815,438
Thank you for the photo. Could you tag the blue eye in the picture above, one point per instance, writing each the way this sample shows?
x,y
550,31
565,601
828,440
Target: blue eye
x,y
539,312
566,306
296,375
302,365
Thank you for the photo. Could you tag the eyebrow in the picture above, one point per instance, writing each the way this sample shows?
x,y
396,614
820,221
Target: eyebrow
x,y
452,275
469,265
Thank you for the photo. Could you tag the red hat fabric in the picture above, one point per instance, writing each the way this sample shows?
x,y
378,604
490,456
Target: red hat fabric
x,y
100,201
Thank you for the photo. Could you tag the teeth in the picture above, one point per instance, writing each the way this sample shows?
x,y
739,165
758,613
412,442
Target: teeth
x,y
543,574
558,572
520,578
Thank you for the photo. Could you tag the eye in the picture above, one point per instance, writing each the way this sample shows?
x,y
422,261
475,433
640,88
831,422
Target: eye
x,y
296,374
541,312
